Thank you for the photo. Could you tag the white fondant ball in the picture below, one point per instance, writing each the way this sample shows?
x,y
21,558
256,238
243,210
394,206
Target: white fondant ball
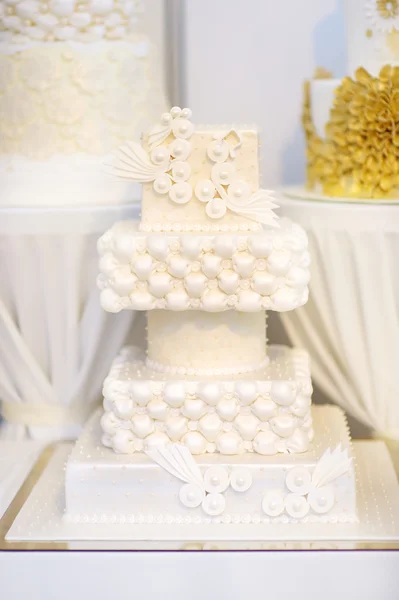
x,y
195,284
246,392
264,283
264,408
158,410
210,426
260,245
228,281
178,266
142,425
282,393
283,425
209,392
248,301
141,301
227,409
244,263
214,300
225,245
247,426
194,408
195,442
140,392
123,441
176,427
124,407
159,284
177,300
230,443
110,301
211,265
265,443
158,439
142,265
158,246
191,246
174,393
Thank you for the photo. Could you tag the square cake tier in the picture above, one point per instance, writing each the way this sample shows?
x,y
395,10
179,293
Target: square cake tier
x,y
209,271
169,485
265,411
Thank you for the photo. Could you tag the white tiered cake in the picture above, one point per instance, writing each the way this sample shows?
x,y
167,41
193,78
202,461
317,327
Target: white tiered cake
x,y
211,426
77,77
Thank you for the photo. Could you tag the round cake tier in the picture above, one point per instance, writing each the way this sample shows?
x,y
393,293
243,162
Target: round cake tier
x,y
202,343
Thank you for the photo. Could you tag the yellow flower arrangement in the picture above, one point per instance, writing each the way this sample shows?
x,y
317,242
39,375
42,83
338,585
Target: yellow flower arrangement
x,y
359,156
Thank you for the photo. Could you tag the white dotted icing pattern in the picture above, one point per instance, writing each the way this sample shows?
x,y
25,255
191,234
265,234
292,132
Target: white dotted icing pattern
x,y
22,21
76,98
217,371
267,414
269,270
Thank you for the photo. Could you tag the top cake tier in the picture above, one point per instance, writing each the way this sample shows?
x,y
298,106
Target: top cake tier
x,y
197,179
22,21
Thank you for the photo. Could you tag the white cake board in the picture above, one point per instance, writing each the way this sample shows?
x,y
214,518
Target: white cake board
x,y
41,518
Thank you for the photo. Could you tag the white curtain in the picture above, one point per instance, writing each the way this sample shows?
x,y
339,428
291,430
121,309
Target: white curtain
x,y
350,325
56,342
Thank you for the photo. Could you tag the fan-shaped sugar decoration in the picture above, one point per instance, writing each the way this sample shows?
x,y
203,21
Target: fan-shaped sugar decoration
x,y
179,462
132,162
158,134
331,466
258,208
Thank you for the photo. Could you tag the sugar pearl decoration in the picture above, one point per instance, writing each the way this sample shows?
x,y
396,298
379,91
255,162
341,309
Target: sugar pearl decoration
x,y
216,480
182,128
180,193
296,506
321,500
180,149
191,495
162,184
214,504
223,173
195,442
273,503
298,480
218,151
241,479
174,393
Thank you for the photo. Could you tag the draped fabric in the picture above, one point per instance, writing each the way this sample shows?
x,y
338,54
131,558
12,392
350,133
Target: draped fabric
x,y
350,326
56,342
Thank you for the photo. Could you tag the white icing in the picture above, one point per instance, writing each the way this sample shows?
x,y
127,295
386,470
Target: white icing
x,y
230,416
22,21
265,270
206,344
103,487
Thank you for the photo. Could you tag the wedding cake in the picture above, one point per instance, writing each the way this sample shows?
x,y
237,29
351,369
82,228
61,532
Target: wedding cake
x,y
77,78
351,125
211,425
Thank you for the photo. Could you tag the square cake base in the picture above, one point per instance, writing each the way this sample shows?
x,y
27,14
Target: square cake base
x,y
315,486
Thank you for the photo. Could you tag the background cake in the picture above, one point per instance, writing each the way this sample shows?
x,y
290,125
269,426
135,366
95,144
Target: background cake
x,y
76,78
208,406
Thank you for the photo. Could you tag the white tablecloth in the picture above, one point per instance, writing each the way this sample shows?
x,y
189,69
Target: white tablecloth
x,y
16,460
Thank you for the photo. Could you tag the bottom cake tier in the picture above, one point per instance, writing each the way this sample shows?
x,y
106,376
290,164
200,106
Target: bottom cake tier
x,y
170,485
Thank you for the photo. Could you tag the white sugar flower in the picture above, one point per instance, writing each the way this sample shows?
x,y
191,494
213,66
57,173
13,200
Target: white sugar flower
x,y
383,14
